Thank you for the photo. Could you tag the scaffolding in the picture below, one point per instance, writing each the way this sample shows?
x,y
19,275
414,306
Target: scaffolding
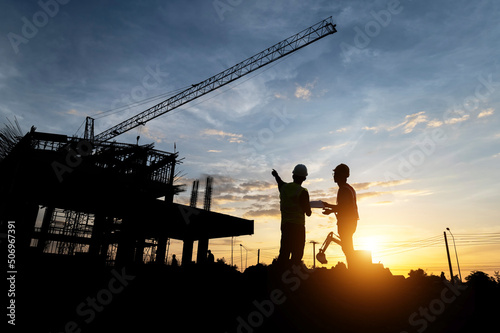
x,y
108,202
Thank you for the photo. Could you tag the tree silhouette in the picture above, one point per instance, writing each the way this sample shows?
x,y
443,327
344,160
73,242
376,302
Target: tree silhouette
x,y
417,274
480,278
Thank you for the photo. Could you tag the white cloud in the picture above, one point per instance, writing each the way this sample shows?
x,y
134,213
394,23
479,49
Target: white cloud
x,y
157,136
410,122
456,120
232,137
340,130
435,123
372,128
413,120
486,112
302,92
305,92
335,146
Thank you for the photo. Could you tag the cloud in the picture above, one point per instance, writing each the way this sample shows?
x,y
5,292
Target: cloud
x,y
229,188
75,112
232,137
259,197
366,195
413,120
335,146
456,120
257,185
372,128
214,151
359,187
410,122
340,130
273,212
486,112
226,198
435,123
390,183
305,92
157,136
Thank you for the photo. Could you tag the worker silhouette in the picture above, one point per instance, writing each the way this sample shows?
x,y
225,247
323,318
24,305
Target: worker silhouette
x,y
174,261
346,210
294,203
210,257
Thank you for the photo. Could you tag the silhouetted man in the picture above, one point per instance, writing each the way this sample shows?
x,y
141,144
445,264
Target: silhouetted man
x,y
174,261
346,210
294,203
210,257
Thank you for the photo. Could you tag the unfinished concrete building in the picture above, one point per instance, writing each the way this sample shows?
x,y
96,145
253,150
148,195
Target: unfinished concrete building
x,y
101,198
109,201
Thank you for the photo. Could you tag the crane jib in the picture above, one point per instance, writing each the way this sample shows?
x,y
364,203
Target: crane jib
x,y
261,59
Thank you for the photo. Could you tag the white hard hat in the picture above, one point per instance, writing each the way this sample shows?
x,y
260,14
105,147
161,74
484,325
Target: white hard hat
x,y
300,170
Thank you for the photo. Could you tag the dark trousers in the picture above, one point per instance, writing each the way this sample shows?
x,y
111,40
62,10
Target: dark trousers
x,y
346,230
293,238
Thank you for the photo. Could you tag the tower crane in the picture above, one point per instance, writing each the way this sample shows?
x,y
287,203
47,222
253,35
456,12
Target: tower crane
x,y
261,59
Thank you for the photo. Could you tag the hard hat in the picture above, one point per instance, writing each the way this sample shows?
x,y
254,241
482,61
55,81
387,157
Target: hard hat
x,y
300,170
342,170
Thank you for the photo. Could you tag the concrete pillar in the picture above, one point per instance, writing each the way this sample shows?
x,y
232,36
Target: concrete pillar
x,y
187,251
97,233
139,250
201,256
160,250
126,244
108,222
44,230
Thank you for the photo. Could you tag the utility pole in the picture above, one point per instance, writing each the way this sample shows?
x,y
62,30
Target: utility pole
x,y
449,260
456,254
241,257
258,256
314,252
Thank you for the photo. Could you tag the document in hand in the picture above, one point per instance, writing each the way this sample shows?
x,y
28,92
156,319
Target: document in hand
x,y
317,204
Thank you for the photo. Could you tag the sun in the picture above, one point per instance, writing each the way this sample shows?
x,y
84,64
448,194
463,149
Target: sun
x,y
370,244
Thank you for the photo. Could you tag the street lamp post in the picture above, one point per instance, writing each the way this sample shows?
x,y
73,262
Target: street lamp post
x,y
456,255
314,252
246,256
241,257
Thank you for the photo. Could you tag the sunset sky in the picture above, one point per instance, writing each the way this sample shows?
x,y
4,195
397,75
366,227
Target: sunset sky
x,y
406,93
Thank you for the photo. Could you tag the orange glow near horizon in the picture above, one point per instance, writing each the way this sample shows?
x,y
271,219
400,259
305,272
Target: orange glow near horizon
x,y
393,226
400,260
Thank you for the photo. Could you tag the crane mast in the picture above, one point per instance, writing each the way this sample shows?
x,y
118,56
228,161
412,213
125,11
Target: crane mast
x,y
269,55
